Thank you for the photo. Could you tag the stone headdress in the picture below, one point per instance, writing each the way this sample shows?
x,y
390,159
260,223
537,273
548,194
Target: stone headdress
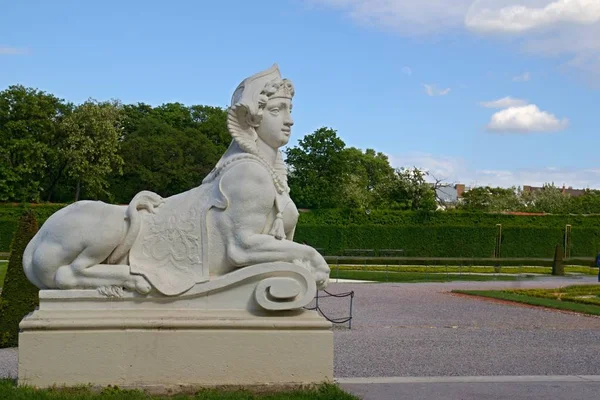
x,y
248,102
245,115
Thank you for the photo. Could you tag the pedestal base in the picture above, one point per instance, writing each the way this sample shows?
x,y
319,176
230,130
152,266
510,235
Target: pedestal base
x,y
171,348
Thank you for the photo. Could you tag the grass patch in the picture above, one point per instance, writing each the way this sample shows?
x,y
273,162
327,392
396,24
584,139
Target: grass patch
x,y
473,269
9,390
459,261
579,298
3,267
380,276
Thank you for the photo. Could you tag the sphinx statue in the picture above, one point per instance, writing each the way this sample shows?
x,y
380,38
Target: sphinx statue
x,y
241,216
206,287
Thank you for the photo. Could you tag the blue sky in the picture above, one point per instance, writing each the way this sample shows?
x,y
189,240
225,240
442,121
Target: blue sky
x,y
486,92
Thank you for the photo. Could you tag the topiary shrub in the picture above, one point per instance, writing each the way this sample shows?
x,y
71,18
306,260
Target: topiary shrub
x,y
558,267
19,296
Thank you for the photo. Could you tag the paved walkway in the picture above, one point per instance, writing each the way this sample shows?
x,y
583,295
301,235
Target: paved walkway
x,y
418,341
423,337
477,387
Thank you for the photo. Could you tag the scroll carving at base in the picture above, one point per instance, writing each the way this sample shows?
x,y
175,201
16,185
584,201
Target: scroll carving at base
x,y
277,286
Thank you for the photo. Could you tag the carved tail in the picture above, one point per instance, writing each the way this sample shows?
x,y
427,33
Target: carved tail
x,y
143,200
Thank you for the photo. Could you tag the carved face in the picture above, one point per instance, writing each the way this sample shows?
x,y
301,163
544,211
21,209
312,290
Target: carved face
x,y
276,124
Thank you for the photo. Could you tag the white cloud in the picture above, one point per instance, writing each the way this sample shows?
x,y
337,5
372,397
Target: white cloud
x,y
515,16
407,17
407,70
545,27
504,102
432,90
525,119
457,170
540,27
442,167
525,77
11,51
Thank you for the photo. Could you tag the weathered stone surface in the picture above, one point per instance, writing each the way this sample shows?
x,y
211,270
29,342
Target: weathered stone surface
x,y
206,287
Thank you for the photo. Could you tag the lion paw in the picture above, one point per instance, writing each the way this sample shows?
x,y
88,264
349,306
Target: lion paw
x,y
139,284
321,273
322,279
142,286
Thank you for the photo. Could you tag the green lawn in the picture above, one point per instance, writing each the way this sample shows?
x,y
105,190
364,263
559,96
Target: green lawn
x,y
464,269
8,390
382,276
579,298
3,266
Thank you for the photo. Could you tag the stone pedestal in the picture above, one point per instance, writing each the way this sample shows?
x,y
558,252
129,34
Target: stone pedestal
x,y
80,337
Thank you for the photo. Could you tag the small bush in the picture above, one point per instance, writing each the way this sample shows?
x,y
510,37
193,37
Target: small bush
x,y
19,296
558,267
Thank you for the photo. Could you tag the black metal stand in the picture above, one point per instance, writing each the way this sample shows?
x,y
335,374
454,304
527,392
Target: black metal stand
x,y
342,320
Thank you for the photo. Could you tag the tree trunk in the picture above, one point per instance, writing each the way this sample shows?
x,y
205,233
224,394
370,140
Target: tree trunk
x,y
55,181
78,191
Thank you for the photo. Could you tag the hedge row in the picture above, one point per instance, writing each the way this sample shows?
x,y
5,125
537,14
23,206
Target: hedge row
x,y
389,263
439,234
13,211
338,217
449,241
10,214
465,269
445,218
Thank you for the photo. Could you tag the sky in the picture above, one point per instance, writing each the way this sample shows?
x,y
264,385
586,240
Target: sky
x,y
480,92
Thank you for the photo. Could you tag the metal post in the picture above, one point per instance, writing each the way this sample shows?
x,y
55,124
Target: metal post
x,y
351,301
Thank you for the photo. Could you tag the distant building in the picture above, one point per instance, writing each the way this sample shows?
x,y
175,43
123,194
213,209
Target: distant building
x,y
565,190
449,196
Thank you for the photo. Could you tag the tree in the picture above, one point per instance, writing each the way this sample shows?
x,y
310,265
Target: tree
x,y
212,123
166,152
438,186
30,139
19,296
316,168
549,199
93,131
489,199
409,191
587,203
367,179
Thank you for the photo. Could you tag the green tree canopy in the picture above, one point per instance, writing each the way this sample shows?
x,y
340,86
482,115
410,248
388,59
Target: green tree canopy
x,y
30,140
316,168
91,153
167,149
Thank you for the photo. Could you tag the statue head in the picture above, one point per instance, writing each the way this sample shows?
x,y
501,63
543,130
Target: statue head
x,y
261,107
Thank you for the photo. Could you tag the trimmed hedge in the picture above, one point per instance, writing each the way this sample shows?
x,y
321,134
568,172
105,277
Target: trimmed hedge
x,y
19,296
419,234
449,241
442,218
586,265
532,242
10,214
7,229
465,269
13,211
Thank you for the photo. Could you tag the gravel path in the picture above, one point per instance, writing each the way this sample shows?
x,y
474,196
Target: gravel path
x,y
8,363
423,330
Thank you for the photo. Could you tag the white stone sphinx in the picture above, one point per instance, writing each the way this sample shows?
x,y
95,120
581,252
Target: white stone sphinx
x,y
166,281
